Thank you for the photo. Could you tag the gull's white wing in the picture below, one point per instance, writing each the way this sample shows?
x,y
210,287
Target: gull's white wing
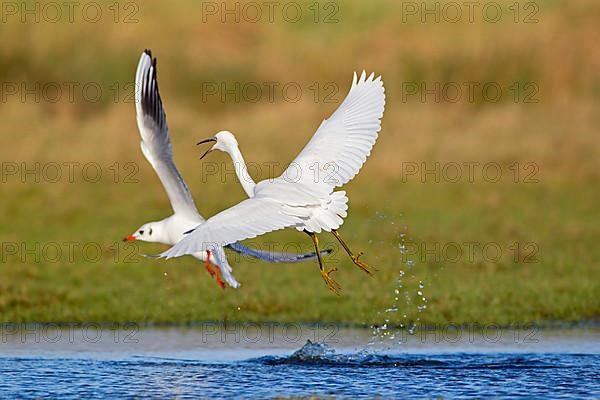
x,y
156,143
342,143
245,220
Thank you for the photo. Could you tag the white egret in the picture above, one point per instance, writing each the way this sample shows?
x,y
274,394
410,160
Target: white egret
x,y
303,196
156,147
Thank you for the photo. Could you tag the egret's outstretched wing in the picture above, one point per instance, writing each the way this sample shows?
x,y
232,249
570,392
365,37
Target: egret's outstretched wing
x,y
156,144
245,220
343,142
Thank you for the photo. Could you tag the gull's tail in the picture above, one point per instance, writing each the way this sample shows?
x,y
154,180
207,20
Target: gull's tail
x,y
225,268
273,256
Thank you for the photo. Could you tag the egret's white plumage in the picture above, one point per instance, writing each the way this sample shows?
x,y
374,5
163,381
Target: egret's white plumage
x,y
156,147
343,142
303,196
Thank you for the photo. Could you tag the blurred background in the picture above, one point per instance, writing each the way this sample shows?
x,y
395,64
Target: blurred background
x,y
478,205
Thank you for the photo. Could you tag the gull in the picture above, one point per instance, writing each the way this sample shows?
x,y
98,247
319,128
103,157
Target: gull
x,y
303,197
156,147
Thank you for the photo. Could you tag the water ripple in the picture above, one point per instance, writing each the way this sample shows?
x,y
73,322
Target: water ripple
x,y
314,370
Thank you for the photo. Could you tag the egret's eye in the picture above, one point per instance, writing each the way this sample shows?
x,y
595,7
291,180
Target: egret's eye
x,y
141,231
150,232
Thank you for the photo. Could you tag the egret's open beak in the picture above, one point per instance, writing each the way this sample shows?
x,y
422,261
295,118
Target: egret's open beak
x,y
129,238
206,141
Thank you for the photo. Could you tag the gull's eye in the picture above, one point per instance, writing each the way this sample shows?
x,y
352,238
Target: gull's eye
x,y
150,232
141,231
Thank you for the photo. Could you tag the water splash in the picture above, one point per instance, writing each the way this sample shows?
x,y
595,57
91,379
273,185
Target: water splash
x,y
408,296
312,352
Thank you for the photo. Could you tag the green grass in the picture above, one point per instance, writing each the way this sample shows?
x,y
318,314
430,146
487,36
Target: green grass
x,y
560,282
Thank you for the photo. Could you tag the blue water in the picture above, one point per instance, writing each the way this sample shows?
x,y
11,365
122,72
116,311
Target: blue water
x,y
498,370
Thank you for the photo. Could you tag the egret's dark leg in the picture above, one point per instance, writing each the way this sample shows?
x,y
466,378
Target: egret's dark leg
x,y
355,258
329,281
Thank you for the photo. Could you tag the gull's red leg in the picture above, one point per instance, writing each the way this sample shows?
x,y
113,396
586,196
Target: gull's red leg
x,y
219,280
216,272
209,267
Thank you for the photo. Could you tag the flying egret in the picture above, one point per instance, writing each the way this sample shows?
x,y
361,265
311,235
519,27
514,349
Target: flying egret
x,y
156,147
303,196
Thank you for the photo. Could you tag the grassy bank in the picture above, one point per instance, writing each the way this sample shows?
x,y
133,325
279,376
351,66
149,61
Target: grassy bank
x,y
540,274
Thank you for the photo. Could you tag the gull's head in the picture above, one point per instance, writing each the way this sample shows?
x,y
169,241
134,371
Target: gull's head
x,y
145,233
223,141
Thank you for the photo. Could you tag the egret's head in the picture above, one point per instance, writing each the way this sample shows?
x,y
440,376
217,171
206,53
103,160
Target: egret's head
x,y
224,141
145,233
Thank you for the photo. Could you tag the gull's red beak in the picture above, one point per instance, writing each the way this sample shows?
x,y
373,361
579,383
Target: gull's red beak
x,y
129,238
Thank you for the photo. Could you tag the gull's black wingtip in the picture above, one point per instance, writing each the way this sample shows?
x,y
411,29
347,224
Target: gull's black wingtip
x,y
148,52
328,251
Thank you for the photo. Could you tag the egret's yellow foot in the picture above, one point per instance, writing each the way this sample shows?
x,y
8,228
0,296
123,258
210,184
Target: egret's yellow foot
x,y
330,282
355,258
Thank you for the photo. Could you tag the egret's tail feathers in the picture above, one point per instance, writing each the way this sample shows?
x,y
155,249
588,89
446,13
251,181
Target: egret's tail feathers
x,y
273,256
330,215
